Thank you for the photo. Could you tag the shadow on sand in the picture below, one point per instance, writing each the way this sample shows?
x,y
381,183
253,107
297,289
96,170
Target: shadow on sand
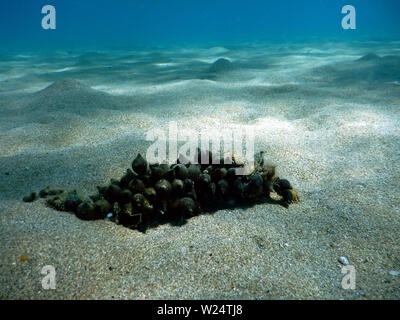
x,y
178,220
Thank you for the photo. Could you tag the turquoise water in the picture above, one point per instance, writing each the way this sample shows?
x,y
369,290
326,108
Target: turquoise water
x,y
110,24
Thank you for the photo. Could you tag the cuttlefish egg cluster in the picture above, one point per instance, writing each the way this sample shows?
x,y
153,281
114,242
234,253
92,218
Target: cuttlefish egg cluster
x,y
149,192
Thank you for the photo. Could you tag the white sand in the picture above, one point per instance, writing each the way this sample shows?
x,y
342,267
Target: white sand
x,y
331,124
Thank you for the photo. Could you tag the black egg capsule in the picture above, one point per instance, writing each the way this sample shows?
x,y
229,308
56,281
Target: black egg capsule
x,y
181,172
140,165
85,211
125,196
96,197
218,174
186,207
56,203
188,185
137,201
102,190
204,179
169,175
150,193
114,181
189,189
287,196
102,207
212,189
238,188
222,187
72,201
126,178
31,197
255,185
158,171
136,186
113,193
231,174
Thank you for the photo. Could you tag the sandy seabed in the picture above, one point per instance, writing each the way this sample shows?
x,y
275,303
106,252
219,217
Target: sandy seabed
x,y
328,119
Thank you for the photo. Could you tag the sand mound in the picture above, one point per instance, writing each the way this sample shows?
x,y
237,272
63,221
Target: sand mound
x,y
221,65
70,96
369,57
64,86
67,114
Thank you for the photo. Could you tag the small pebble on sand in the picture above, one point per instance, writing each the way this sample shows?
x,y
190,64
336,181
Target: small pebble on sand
x,y
343,260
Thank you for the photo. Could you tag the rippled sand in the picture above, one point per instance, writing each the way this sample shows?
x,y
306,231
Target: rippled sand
x,y
329,120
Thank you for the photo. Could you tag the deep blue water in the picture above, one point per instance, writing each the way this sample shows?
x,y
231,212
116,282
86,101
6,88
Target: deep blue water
x,y
101,23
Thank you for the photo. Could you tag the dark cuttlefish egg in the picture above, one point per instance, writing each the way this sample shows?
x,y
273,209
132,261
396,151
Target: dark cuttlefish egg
x,y
140,165
136,186
186,206
102,207
113,193
72,201
218,174
85,211
212,189
238,187
163,187
222,187
181,172
31,197
188,189
158,171
287,195
204,180
126,178
177,187
231,174
169,175
255,186
280,185
125,196
194,172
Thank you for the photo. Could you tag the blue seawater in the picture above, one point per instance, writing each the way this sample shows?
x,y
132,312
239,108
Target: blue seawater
x,y
116,24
